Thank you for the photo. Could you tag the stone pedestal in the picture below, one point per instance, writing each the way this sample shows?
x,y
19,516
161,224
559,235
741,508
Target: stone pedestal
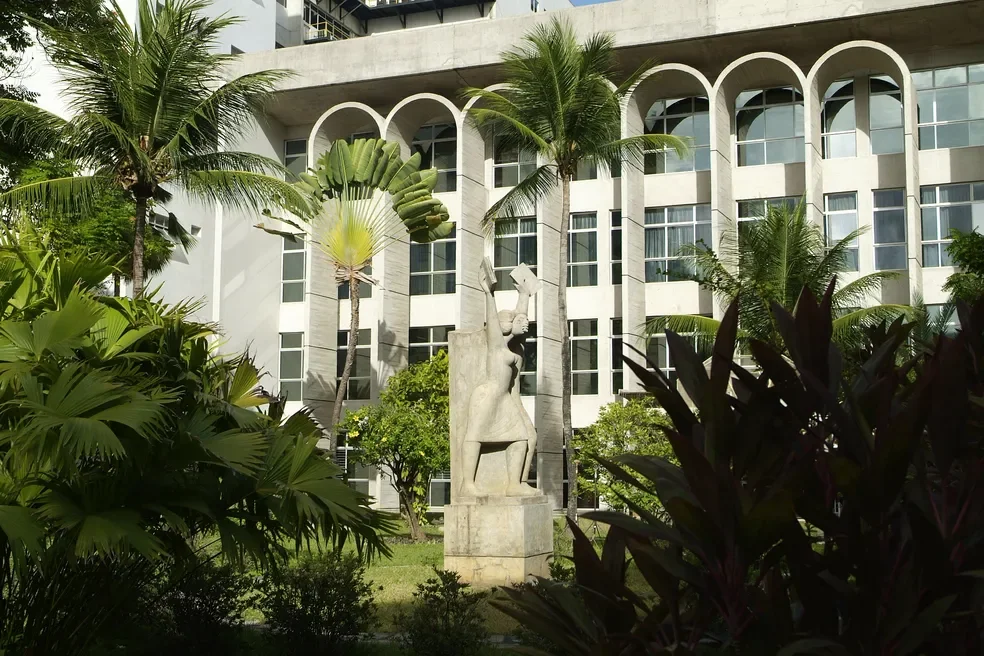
x,y
495,540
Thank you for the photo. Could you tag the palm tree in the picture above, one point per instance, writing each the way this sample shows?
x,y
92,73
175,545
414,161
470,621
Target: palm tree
x,y
770,261
559,102
152,114
362,197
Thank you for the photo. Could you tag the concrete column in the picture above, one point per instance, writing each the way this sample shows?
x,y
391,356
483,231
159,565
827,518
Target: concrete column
x,y
549,426
633,251
473,200
813,157
321,336
723,208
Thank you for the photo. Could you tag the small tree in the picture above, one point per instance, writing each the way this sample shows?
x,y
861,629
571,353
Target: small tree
x,y
407,433
967,251
636,426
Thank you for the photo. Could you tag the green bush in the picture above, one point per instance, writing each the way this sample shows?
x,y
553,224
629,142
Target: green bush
x,y
445,618
318,603
198,610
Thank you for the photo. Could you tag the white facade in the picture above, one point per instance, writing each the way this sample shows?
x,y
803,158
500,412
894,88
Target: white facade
x,y
762,88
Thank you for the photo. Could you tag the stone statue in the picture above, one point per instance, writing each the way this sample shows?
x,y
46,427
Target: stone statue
x,y
496,416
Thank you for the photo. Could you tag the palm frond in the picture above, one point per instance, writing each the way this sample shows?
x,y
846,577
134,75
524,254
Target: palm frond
x,y
59,195
860,292
29,127
848,329
521,199
244,190
352,228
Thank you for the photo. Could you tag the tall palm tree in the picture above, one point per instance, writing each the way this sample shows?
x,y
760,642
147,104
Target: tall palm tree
x,y
770,261
151,115
559,101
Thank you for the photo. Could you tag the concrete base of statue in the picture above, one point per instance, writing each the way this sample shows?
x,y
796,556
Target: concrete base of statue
x,y
496,540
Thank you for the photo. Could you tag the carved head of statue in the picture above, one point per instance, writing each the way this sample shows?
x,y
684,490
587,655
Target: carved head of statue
x,y
513,324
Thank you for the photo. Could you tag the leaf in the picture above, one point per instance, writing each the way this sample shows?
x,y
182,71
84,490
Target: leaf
x,y
922,625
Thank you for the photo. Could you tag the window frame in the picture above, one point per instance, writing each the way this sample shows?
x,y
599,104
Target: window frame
x,y
503,281
591,375
899,129
875,210
826,228
656,225
432,345
799,145
293,283
447,274
826,135
365,344
445,183
655,158
590,265
615,245
940,243
524,158
291,158
299,381
929,130
617,350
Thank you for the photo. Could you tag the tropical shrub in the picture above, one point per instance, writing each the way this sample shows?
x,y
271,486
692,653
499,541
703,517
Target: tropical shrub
x,y
318,603
809,514
445,618
126,438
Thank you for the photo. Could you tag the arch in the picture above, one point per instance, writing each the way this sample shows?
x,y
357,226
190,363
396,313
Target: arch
x,y
769,69
401,123
857,55
347,120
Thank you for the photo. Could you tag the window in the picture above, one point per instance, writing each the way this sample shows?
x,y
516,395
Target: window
x,y
838,121
515,244
753,210
365,289
358,386
951,106
840,220
586,171
510,164
946,208
355,136
357,475
439,491
885,116
617,365
889,224
295,156
584,356
582,253
426,342
770,126
432,267
668,229
616,246
938,311
527,377
438,148
686,118
292,366
293,269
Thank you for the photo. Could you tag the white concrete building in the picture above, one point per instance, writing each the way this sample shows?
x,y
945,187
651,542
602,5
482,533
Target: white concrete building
x,y
871,110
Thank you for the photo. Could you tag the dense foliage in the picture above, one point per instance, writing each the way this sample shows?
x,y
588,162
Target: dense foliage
x,y
634,426
318,604
967,252
810,514
445,618
769,261
560,102
153,112
407,433
125,440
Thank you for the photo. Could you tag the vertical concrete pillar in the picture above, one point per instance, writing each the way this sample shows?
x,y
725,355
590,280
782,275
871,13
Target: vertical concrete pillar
x,y
723,150
813,162
548,420
321,336
633,249
473,201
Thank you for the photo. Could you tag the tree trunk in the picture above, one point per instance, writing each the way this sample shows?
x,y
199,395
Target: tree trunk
x,y
139,226
565,347
116,285
416,531
353,342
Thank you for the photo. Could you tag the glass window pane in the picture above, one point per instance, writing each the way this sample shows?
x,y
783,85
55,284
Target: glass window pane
x,y
291,389
291,340
840,145
293,292
889,258
506,176
840,226
838,115
927,138
952,104
778,95
839,202
975,101
955,217
956,193
929,228
445,154
886,111
924,106
931,255
976,72
976,136
506,252
503,154
293,266
751,124
584,247
420,285
290,365
447,181
751,154
527,251
444,283
655,243
889,226
885,142
683,214
784,151
702,129
584,221
945,77
922,79
294,243
779,122
420,258
358,389
702,159
654,271
889,198
680,126
952,135
678,236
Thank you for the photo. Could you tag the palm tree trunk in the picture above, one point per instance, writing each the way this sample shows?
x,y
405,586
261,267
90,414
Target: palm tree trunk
x,y
116,285
353,342
565,347
139,226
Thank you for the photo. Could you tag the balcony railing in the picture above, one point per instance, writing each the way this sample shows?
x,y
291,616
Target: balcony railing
x,y
325,31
